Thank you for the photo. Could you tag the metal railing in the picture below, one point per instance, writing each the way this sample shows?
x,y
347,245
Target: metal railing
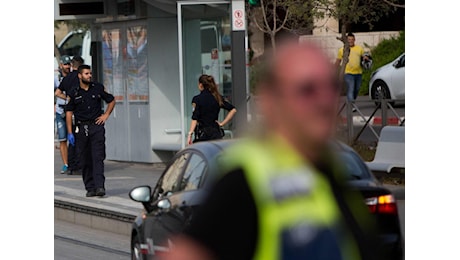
x,y
384,105
347,128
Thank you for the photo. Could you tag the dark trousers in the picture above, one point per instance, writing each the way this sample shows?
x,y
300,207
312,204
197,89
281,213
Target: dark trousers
x,y
74,162
207,134
90,143
353,82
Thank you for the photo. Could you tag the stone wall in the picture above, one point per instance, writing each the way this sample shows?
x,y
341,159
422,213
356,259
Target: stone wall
x,y
331,45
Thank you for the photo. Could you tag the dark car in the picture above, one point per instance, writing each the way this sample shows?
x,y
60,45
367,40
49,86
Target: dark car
x,y
380,200
169,207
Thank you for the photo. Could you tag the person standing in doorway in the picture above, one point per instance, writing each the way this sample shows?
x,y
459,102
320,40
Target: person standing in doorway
x,y
64,70
86,105
353,70
69,84
206,107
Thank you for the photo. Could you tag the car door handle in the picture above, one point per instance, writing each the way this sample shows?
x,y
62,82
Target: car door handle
x,y
183,206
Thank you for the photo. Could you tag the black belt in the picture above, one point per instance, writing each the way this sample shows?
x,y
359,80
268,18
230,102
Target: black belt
x,y
85,122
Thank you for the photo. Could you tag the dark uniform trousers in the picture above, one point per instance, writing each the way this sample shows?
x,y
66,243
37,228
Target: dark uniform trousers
x,y
90,143
207,134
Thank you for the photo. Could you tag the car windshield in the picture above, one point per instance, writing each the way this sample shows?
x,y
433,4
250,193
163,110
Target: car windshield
x,y
355,168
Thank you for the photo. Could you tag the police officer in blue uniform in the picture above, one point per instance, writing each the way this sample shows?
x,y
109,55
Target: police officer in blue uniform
x,y
86,106
206,107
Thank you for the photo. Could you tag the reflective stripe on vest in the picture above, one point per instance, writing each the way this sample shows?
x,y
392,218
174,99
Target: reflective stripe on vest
x,y
297,212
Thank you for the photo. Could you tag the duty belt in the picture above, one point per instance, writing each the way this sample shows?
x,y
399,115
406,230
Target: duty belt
x,y
85,122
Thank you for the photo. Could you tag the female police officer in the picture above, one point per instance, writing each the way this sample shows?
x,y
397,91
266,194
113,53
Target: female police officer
x,y
206,107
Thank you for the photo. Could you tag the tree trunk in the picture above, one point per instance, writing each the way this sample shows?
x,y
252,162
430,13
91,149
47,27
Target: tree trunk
x,y
346,53
273,32
273,41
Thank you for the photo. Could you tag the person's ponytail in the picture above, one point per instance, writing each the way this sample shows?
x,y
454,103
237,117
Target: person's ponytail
x,y
210,85
215,91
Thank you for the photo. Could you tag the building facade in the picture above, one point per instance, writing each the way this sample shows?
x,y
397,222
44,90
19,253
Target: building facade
x,y
149,55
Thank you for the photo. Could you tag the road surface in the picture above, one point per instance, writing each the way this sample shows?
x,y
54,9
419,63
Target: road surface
x,y
74,242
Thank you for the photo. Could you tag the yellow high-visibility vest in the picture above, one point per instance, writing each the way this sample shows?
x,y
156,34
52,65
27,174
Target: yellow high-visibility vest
x,y
298,215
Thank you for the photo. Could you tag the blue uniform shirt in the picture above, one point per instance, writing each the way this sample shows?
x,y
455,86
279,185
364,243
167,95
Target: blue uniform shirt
x,y
87,105
69,82
207,109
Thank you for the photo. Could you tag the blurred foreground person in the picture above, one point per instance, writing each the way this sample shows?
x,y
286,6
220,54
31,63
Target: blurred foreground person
x,y
281,194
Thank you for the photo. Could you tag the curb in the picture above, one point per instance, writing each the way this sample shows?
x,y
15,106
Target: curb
x,y
94,211
376,120
100,219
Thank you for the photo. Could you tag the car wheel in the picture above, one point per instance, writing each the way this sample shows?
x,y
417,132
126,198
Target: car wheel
x,y
136,249
380,90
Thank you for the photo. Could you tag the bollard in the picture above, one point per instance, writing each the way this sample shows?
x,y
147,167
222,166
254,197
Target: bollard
x,y
349,122
384,112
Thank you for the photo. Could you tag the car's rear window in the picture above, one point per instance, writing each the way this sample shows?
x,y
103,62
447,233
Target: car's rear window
x,y
355,167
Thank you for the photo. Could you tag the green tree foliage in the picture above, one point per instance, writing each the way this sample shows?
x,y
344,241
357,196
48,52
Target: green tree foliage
x,y
386,51
304,13
74,24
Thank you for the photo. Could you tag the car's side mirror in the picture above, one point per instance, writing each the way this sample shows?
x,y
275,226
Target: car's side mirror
x,y
164,204
141,194
399,63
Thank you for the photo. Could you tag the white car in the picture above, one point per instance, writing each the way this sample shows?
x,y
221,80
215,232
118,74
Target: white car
x,y
75,43
388,81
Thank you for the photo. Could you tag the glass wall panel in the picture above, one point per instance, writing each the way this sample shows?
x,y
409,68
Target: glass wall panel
x,y
206,49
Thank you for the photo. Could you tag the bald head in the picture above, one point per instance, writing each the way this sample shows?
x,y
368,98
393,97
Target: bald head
x,y
300,94
295,58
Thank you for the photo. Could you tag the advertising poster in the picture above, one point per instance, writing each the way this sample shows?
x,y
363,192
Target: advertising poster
x,y
112,63
137,64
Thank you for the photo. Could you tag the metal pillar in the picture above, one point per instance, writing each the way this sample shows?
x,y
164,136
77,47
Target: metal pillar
x,y
239,64
384,112
350,126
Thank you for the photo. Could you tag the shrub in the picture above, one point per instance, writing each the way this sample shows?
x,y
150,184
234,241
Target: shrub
x,y
385,52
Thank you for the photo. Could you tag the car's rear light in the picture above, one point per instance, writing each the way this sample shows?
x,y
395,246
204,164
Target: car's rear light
x,y
385,204
144,249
